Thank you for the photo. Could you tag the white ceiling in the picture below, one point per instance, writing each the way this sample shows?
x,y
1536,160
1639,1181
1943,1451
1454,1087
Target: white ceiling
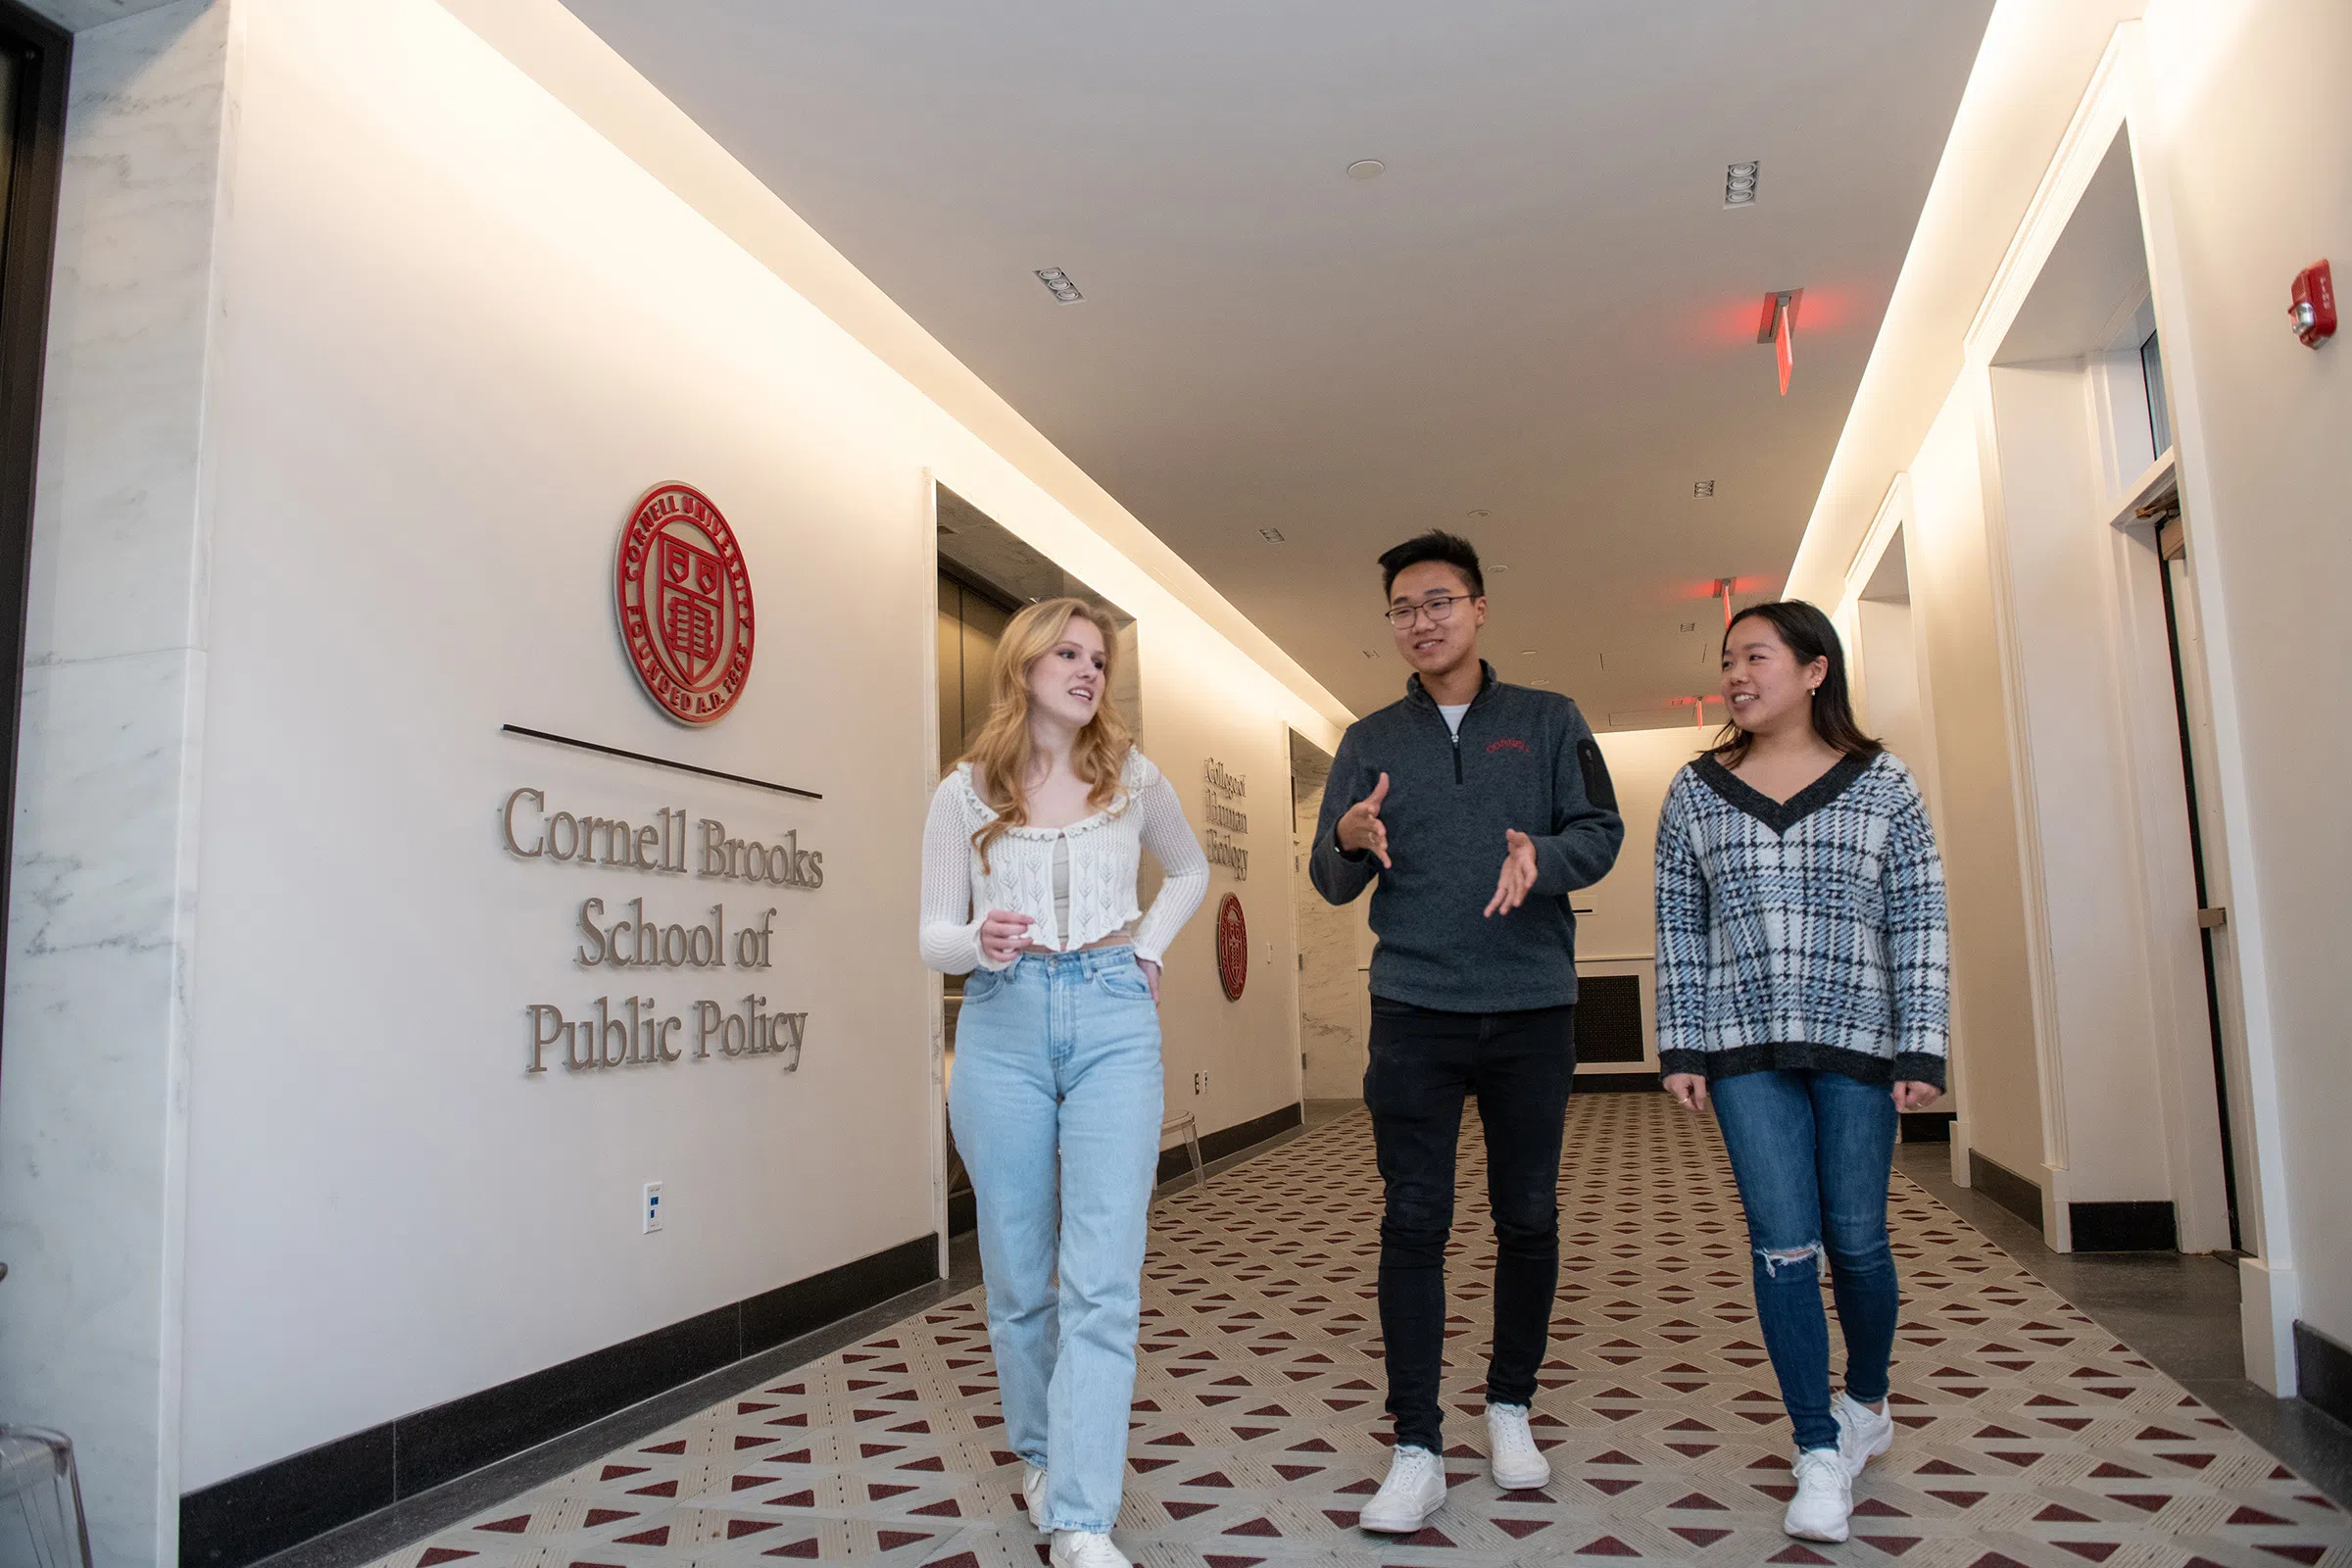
x,y
1541,312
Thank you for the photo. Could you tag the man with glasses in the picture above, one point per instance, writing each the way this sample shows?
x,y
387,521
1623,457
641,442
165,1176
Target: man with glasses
x,y
1472,808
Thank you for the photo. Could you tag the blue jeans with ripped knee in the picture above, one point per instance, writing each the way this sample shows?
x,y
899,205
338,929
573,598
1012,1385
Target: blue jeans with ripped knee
x,y
1811,1151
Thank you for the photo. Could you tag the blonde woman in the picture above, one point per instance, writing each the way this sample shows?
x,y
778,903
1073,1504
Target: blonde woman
x,y
1029,885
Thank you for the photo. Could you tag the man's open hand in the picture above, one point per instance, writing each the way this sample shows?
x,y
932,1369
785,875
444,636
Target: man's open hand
x,y
1360,827
1518,873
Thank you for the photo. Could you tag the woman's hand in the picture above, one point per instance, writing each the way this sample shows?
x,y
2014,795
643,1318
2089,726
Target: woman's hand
x,y
1003,935
1688,1089
1151,968
1912,1095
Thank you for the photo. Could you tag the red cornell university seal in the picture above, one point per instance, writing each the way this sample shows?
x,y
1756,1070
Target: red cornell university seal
x,y
1233,948
685,603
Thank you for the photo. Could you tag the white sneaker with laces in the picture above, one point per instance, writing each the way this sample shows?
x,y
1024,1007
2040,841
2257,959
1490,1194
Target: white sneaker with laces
x,y
1415,1489
1518,1465
1033,1494
1085,1549
1863,1434
1825,1496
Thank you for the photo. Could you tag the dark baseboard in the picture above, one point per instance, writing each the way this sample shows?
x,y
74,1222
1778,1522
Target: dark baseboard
x,y
2006,1188
1230,1139
1618,1083
1925,1126
248,1518
2322,1373
2123,1227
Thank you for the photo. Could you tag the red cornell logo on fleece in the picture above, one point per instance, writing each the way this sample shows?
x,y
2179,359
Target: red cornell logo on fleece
x,y
1510,743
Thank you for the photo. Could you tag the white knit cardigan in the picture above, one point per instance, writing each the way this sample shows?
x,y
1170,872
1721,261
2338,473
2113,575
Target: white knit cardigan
x,y
1104,852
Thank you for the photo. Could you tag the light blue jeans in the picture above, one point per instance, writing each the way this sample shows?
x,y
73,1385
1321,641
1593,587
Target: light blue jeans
x,y
1061,1054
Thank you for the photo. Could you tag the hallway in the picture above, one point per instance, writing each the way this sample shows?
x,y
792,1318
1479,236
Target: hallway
x,y
2029,1434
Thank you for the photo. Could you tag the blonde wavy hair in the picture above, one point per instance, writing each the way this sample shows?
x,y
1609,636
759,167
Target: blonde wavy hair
x,y
1003,752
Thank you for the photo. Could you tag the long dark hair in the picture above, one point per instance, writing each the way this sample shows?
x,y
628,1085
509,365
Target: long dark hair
x,y
1809,636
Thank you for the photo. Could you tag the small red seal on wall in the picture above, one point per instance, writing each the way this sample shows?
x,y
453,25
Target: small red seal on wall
x,y
1233,948
685,603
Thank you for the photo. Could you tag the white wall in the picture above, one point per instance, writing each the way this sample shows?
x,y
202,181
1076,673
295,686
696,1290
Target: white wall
x,y
456,333
1250,1048
2060,569
2249,137
2035,631
1994,1030
105,880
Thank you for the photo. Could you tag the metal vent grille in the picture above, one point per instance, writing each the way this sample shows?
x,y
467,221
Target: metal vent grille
x,y
1608,1018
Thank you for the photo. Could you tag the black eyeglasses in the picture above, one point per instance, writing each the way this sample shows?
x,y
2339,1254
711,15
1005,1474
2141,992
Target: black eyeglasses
x,y
1438,610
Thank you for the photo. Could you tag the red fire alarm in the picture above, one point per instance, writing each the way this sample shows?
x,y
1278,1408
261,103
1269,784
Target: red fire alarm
x,y
2310,304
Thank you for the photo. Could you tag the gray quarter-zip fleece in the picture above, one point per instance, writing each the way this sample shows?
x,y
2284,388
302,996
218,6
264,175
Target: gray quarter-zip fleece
x,y
1525,759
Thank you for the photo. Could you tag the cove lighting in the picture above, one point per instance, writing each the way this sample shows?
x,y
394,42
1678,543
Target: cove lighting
x,y
1059,281
1740,184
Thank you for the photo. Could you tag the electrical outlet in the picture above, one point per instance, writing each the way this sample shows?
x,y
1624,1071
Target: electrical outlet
x,y
653,1207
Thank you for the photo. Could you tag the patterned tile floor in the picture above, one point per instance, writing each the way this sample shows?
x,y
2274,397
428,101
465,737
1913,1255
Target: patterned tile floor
x,y
2027,1437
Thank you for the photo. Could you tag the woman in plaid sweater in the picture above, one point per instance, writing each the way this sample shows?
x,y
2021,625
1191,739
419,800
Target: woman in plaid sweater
x,y
1803,985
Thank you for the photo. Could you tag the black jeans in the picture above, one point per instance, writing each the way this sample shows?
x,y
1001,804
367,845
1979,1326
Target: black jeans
x,y
1521,1065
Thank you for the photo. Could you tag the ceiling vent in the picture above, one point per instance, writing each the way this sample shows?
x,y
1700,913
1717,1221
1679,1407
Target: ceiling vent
x,y
1272,536
1703,489
1058,283
1740,184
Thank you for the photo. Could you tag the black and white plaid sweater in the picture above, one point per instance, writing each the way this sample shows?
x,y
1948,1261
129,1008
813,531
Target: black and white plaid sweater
x,y
1805,933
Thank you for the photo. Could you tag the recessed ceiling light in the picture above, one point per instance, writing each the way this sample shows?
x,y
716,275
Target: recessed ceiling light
x,y
1474,512
1367,169
1702,488
1740,183
1526,653
1058,284
1499,569
1272,536
1369,654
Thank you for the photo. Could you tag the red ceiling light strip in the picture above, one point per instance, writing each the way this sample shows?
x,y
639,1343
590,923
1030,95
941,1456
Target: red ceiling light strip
x,y
1778,328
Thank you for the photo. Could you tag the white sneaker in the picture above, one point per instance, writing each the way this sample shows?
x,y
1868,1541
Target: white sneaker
x,y
1518,1464
1863,1434
1033,1494
1415,1489
1824,1495
1085,1549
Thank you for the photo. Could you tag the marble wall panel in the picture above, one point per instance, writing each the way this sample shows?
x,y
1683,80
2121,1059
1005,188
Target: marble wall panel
x,y
93,1084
